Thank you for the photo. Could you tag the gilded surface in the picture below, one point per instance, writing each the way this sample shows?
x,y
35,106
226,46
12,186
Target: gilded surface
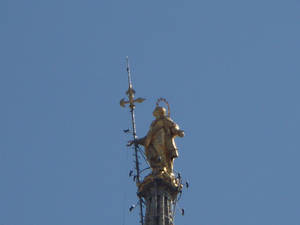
x,y
170,180
160,147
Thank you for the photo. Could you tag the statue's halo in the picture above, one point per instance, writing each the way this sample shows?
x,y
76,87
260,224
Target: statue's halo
x,y
166,102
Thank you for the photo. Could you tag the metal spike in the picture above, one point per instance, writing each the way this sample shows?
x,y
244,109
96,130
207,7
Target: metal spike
x,y
179,175
187,184
182,212
130,173
126,131
131,208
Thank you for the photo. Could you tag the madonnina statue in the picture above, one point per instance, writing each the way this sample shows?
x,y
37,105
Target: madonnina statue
x,y
160,147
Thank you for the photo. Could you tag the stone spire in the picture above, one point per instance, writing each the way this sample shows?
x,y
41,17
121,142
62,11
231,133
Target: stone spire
x,y
160,195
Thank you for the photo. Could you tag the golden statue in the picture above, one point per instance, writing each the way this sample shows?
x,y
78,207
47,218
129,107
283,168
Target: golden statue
x,y
160,147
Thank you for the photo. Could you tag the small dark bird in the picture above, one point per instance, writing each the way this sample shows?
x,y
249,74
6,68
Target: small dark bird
x,y
130,173
187,184
131,208
182,212
126,131
134,178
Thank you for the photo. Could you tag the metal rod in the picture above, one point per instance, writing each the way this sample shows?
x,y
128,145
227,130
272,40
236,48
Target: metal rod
x,y
132,106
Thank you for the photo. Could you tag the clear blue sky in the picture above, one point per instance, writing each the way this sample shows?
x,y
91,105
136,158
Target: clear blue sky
x,y
230,70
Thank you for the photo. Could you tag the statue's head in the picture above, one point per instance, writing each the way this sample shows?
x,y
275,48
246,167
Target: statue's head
x,y
159,112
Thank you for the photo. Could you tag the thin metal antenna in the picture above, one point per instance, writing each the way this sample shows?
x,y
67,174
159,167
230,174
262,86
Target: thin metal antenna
x,y
128,72
131,101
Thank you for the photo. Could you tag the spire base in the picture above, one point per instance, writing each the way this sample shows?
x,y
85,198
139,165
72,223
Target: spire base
x,y
160,193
